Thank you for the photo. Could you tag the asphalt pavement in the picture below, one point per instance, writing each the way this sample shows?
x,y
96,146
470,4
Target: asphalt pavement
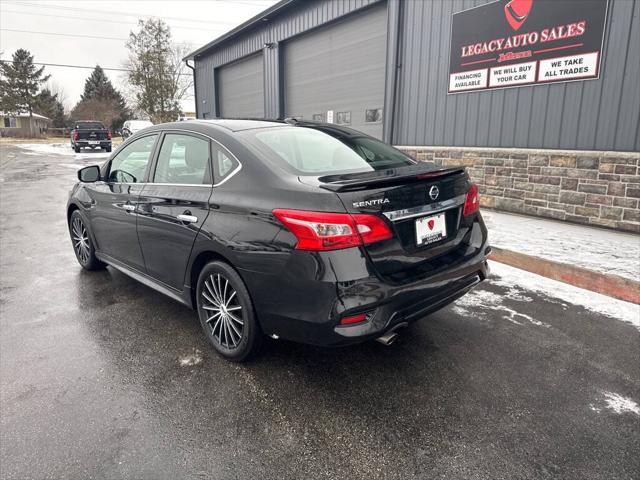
x,y
103,378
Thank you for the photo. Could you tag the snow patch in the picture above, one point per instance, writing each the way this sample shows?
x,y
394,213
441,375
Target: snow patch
x,y
596,249
617,403
484,299
75,166
611,307
63,149
191,359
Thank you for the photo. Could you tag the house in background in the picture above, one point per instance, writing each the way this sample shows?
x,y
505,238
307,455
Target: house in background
x,y
22,125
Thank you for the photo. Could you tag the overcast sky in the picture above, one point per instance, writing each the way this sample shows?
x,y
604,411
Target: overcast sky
x,y
194,22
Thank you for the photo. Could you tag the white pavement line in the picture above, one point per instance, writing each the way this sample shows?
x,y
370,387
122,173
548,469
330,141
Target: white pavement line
x,y
509,276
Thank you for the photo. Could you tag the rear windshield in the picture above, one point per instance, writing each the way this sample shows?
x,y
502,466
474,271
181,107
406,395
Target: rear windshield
x,y
89,126
309,151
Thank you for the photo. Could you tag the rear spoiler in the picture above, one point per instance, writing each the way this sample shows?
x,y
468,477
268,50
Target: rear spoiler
x,y
351,182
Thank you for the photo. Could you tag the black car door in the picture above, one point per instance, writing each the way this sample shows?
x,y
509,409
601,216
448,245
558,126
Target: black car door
x,y
174,204
113,214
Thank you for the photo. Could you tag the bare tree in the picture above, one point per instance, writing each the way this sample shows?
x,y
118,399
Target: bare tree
x,y
105,110
58,90
157,76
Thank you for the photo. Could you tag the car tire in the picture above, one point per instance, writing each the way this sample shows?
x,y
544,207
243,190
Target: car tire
x,y
108,149
76,149
226,312
82,243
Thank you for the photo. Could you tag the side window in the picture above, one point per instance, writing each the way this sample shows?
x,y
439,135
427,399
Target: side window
x,y
183,159
130,163
223,163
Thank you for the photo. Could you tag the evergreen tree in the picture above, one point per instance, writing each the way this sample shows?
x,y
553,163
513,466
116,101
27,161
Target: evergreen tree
x,y
98,90
20,82
50,106
98,85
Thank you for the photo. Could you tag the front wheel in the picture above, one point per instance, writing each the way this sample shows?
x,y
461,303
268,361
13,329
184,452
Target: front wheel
x,y
82,244
226,312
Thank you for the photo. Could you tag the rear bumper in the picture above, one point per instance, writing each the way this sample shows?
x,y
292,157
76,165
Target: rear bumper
x,y
411,304
306,296
86,143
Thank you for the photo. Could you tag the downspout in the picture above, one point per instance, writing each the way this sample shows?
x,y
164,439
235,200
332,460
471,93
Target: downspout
x,y
396,63
195,87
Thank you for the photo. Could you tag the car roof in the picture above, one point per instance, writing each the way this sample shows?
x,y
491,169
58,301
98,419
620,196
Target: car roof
x,y
233,125
238,124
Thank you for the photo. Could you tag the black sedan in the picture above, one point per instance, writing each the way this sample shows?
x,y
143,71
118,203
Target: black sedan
x,y
298,230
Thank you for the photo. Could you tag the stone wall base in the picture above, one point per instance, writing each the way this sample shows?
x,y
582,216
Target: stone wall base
x,y
586,187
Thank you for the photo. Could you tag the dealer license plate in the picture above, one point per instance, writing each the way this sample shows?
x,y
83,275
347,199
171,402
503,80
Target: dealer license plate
x,y
431,229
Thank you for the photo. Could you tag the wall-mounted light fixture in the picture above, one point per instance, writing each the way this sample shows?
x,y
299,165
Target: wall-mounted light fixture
x,y
268,45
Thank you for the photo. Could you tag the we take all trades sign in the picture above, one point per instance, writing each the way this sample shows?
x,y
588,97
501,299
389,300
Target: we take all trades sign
x,y
513,43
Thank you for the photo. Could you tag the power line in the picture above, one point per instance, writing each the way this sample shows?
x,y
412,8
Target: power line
x,y
62,34
66,65
119,14
72,35
102,20
72,66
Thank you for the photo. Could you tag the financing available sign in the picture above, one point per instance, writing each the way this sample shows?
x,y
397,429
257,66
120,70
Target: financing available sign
x,y
513,43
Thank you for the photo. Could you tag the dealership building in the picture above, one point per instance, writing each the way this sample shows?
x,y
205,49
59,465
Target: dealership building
x,y
540,99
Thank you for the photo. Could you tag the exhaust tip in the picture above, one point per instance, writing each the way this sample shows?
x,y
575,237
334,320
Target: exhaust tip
x,y
387,339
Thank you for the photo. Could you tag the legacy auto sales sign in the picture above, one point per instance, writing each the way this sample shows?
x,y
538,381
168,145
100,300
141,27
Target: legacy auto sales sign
x,y
512,43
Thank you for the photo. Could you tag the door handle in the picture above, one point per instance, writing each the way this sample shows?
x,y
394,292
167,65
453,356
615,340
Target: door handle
x,y
129,207
187,218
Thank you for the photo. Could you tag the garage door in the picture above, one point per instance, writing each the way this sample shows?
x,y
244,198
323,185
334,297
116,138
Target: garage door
x,y
341,68
241,89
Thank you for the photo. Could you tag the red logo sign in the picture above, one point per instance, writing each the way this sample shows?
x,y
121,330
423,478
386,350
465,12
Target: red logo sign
x,y
430,224
517,12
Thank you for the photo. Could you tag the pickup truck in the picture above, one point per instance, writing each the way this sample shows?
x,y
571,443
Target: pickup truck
x,y
90,134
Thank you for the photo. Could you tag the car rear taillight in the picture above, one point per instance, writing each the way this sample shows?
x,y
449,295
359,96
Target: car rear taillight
x,y
75,135
361,317
472,201
332,231
108,134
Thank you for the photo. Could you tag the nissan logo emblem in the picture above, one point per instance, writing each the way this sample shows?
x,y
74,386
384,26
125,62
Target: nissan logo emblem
x,y
434,192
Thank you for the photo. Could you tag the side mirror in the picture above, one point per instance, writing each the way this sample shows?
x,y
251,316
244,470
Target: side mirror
x,y
89,174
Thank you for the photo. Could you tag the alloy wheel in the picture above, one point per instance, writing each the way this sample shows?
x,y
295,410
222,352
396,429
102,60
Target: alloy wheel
x,y
80,240
224,312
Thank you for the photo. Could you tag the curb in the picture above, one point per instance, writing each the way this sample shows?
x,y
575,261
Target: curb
x,y
611,285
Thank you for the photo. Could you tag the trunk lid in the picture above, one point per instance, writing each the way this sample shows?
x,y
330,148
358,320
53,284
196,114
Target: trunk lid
x,y
403,196
92,134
